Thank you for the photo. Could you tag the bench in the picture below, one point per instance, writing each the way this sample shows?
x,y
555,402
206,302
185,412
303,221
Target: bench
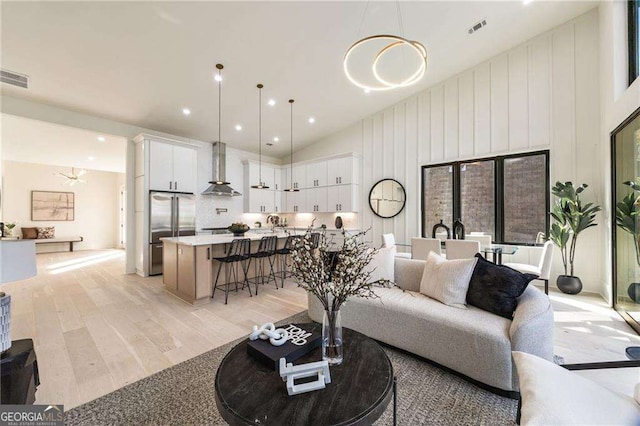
x,y
69,240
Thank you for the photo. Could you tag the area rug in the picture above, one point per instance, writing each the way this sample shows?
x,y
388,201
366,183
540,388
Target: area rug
x,y
184,395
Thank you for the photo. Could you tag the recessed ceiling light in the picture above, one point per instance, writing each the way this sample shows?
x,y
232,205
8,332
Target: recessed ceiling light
x,y
238,127
217,77
92,158
276,139
312,120
271,102
101,138
186,111
367,91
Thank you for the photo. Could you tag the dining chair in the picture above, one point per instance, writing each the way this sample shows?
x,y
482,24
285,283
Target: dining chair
x,y
461,249
542,270
484,240
389,240
420,247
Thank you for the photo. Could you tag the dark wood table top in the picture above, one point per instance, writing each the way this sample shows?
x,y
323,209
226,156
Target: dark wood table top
x,y
248,393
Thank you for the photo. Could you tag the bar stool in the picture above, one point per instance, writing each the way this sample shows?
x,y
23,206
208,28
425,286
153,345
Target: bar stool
x,y
266,251
238,254
281,256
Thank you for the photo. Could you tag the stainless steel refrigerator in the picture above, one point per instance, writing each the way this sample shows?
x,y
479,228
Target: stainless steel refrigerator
x,y
171,215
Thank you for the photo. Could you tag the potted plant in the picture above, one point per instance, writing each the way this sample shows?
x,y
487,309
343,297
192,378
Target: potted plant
x,y
571,216
8,226
333,275
238,229
627,219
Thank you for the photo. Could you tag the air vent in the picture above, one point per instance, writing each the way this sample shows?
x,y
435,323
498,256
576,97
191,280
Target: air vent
x,y
269,144
14,78
477,26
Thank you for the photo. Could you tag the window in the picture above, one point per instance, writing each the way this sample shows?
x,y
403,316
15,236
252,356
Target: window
x,y
506,197
634,39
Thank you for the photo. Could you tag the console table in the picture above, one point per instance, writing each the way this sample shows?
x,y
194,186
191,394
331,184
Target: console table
x,y
248,393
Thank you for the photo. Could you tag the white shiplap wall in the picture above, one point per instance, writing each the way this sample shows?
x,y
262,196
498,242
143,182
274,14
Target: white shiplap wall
x,y
543,94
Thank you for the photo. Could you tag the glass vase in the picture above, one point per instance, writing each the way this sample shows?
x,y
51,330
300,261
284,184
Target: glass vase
x,y
332,337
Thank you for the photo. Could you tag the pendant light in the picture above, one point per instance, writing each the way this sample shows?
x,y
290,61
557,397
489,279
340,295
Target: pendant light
x,y
291,188
417,49
217,180
260,184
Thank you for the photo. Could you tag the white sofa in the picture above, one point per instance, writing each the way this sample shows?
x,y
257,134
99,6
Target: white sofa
x,y
470,341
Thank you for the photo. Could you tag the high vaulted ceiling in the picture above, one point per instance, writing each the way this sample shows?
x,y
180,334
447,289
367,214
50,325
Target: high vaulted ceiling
x,y
143,62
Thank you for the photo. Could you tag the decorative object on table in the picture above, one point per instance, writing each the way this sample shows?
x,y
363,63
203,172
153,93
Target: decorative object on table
x,y
30,233
19,376
338,222
571,216
376,81
458,230
257,225
45,232
299,341
627,212
8,229
1,229
5,321
333,284
387,198
72,178
17,262
291,373
437,226
268,331
50,206
238,229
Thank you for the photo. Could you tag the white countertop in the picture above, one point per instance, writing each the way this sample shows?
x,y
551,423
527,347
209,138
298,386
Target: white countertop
x,y
206,240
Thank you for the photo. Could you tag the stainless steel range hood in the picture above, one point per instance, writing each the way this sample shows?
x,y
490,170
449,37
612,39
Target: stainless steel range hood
x,y
219,185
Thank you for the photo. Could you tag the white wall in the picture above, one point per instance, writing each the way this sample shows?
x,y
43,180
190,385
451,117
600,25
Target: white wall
x,y
96,203
540,95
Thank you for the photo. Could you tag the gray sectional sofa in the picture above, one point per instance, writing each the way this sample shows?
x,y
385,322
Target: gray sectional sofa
x,y
470,341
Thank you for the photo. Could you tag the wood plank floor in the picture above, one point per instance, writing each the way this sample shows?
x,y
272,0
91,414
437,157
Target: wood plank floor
x,y
96,329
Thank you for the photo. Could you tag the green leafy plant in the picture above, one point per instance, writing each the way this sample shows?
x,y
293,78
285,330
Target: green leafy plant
x,y
627,212
571,216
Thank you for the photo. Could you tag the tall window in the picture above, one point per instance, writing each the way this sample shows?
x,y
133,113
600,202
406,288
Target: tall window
x,y
634,40
506,197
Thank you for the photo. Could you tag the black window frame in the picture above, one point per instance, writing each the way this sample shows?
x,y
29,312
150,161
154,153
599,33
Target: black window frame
x,y
498,192
633,9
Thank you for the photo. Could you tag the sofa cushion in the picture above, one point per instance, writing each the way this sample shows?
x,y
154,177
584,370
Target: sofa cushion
x,y
382,264
552,395
447,280
29,233
496,288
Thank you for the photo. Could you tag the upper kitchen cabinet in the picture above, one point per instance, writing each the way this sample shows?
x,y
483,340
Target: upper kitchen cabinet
x,y
343,170
298,180
265,177
172,167
343,198
316,174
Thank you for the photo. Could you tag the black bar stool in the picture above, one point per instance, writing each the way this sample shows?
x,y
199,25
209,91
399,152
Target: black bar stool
x,y
282,254
266,251
238,254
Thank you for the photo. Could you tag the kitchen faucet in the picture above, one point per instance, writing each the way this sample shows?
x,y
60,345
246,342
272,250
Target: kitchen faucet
x,y
274,220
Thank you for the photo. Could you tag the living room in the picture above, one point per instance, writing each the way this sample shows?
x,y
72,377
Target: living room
x,y
537,94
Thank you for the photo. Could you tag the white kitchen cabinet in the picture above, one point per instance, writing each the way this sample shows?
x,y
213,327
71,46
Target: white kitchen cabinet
x,y
342,171
260,201
172,167
268,175
296,202
278,178
316,174
316,199
343,198
298,180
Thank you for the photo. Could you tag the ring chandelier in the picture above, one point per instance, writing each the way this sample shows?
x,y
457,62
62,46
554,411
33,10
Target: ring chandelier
x,y
395,41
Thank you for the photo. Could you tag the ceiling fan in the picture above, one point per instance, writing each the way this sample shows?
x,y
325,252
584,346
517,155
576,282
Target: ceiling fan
x,y
73,177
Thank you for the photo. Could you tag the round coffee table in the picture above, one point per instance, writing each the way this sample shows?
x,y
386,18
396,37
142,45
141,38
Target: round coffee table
x,y
248,393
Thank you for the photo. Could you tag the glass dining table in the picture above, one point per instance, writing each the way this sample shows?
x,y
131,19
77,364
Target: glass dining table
x,y
497,250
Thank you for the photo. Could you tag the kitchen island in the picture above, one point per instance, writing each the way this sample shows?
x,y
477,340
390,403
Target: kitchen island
x,y
189,269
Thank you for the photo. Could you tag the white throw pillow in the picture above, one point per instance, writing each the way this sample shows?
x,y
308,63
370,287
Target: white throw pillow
x,y
447,280
552,395
383,264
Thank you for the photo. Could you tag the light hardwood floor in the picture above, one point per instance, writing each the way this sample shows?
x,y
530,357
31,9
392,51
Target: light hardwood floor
x,y
96,329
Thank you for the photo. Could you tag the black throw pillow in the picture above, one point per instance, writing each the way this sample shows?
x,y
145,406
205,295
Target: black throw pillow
x,y
495,288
